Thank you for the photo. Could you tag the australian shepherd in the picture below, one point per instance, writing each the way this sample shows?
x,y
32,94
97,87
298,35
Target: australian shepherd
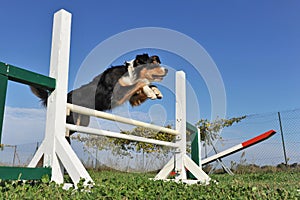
x,y
116,85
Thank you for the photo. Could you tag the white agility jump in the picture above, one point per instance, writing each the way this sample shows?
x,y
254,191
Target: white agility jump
x,y
57,152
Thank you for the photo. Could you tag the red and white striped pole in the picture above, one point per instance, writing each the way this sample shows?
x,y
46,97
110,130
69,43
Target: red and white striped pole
x,y
239,147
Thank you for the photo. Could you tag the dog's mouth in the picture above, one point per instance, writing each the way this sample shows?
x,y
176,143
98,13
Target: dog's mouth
x,y
158,76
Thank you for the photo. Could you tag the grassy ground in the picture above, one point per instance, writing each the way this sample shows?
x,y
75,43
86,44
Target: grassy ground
x,y
118,185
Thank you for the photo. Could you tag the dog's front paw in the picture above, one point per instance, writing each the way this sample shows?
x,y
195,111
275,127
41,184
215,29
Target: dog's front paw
x,y
152,96
149,92
156,91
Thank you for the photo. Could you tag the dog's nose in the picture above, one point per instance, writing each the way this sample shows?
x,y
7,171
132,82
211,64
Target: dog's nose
x,y
166,70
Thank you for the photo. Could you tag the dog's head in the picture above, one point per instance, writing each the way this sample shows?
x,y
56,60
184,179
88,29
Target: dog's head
x,y
143,68
149,67
151,72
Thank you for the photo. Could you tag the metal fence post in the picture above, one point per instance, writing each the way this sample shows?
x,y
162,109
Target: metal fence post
x,y
282,139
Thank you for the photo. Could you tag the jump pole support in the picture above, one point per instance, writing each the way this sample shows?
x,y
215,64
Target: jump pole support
x,y
181,161
55,149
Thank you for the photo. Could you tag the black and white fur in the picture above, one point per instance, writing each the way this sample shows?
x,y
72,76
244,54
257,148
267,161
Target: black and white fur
x,y
112,88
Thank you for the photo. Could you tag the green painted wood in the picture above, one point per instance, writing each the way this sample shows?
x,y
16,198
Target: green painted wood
x,y
10,72
27,77
23,173
194,146
3,89
195,143
191,128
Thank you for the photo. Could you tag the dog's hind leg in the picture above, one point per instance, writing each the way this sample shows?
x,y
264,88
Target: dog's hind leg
x,y
82,120
76,119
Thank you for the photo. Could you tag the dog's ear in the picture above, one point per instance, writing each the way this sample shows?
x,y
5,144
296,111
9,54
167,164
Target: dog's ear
x,y
141,59
155,60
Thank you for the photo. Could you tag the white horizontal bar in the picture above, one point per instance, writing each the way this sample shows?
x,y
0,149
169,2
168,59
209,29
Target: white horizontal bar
x,y
93,131
104,115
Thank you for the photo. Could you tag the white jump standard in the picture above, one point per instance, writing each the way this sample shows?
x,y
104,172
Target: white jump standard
x,y
58,153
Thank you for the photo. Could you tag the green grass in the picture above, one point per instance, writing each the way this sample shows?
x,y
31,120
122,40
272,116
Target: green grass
x,y
118,185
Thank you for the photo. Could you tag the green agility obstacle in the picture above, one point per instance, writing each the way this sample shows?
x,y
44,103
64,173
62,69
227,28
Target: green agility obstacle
x,y
16,74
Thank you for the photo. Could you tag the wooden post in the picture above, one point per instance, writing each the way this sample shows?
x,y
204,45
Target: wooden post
x,y
180,162
57,152
180,125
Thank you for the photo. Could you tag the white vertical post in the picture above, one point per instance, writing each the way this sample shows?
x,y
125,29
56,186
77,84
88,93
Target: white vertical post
x,y
56,105
61,154
181,161
180,125
57,152
59,69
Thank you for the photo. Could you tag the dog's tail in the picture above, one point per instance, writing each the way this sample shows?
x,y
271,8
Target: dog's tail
x,y
40,93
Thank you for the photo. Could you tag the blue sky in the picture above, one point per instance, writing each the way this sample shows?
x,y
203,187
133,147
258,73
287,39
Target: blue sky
x,y
254,44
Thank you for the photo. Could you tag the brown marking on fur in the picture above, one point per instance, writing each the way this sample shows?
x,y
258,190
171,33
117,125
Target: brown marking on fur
x,y
138,98
78,120
155,62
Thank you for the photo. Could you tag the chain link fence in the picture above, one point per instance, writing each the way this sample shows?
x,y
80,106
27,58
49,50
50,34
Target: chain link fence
x,y
17,155
283,147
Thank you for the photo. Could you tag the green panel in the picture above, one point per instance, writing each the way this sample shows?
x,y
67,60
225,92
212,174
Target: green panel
x,y
3,88
9,72
23,173
194,146
27,77
191,128
195,149
195,143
